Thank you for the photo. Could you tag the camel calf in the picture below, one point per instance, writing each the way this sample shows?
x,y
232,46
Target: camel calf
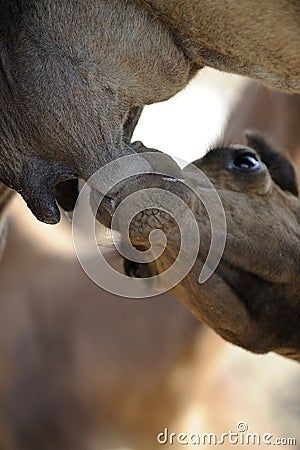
x,y
252,298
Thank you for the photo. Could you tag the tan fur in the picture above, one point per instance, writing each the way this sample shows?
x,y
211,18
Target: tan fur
x,y
255,38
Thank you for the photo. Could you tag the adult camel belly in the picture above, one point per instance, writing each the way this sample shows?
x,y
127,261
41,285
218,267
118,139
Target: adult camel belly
x,y
259,39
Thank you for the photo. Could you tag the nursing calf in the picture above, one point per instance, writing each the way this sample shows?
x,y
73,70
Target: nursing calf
x,y
252,299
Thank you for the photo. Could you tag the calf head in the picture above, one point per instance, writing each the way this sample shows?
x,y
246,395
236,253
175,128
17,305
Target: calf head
x,y
253,297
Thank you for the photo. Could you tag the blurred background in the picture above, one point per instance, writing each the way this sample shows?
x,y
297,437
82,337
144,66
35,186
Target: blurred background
x,y
81,369
189,123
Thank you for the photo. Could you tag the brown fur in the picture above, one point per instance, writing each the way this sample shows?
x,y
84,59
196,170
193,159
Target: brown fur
x,y
252,299
253,38
277,116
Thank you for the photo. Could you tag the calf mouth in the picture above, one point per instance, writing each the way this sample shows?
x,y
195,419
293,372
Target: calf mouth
x,y
146,221
104,206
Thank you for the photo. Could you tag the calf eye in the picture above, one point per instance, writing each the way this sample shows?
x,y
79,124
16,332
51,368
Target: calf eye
x,y
246,162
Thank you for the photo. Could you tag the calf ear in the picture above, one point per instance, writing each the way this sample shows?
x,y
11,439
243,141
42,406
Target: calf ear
x,y
280,168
